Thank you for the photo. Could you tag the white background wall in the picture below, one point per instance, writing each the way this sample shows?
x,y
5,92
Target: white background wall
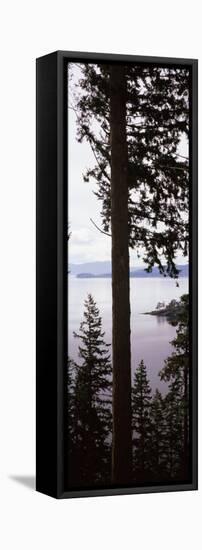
x,y
29,29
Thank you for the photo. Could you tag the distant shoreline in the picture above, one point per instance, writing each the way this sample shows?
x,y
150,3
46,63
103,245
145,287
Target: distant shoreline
x,y
139,274
102,270
161,313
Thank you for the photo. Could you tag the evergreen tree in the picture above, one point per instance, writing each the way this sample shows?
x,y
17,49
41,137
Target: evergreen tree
x,y
141,423
174,430
71,418
159,434
92,401
176,372
156,118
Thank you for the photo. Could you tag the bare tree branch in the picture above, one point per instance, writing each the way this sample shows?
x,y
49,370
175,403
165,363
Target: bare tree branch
x,y
101,230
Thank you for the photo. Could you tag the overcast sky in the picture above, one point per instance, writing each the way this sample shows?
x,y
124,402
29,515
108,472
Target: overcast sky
x,y
87,244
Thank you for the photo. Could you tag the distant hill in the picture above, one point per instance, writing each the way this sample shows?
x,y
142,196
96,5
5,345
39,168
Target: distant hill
x,y
95,268
103,270
184,272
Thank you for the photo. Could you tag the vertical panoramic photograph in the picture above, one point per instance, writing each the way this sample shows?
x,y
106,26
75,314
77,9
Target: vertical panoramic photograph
x,y
128,371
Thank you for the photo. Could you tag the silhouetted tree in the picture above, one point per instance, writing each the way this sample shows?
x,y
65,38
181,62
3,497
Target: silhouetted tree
x,y
160,305
158,442
155,116
72,449
174,430
176,372
141,423
91,402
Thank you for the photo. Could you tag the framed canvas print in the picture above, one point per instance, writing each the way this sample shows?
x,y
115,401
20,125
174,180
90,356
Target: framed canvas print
x,y
116,274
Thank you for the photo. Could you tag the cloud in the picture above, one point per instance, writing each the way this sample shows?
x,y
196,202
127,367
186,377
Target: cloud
x,y
81,236
87,244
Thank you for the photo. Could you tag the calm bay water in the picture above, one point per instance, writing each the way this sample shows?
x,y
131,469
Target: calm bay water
x,y
150,335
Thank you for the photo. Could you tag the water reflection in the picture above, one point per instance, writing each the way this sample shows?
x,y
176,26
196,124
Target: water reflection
x,y
150,334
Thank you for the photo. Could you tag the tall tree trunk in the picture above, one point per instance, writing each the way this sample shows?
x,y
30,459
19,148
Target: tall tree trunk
x,y
121,357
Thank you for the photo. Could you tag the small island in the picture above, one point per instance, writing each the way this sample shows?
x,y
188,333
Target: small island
x,y
171,311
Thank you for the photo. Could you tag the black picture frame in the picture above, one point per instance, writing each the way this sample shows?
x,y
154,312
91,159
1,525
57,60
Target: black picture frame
x,y
51,238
